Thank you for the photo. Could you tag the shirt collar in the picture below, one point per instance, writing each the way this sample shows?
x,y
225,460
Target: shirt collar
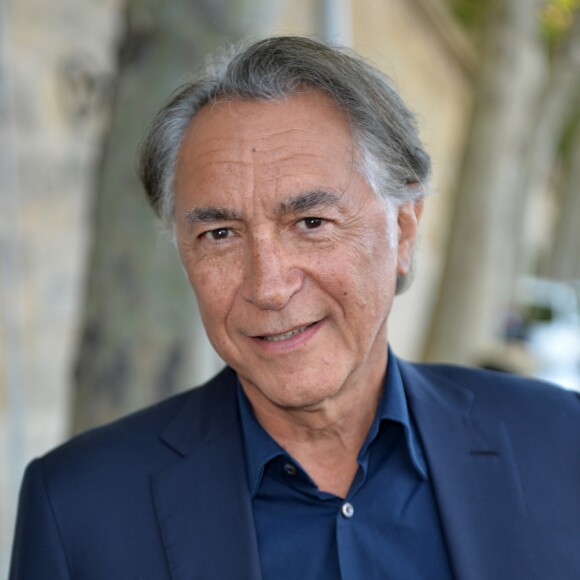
x,y
260,448
393,407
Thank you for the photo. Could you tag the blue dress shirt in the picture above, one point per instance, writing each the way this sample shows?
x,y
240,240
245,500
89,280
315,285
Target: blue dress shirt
x,y
387,527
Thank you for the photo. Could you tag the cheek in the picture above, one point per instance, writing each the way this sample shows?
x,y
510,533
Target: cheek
x,y
215,287
371,265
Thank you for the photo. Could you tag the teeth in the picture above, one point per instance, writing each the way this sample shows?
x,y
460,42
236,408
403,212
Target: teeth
x,y
278,337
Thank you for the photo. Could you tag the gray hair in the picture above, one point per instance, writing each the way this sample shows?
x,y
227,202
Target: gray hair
x,y
390,155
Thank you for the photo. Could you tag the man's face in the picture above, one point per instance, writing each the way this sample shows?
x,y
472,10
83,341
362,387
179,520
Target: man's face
x,y
292,257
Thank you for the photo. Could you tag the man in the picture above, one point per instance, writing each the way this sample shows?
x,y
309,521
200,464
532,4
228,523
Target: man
x,y
294,180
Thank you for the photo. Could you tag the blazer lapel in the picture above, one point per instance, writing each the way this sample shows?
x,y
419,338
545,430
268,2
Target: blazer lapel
x,y
202,499
475,480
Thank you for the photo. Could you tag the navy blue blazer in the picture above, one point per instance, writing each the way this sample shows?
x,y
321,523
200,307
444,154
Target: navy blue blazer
x,y
162,494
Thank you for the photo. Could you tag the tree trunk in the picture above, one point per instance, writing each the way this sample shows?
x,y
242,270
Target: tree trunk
x,y
558,108
141,338
480,261
565,263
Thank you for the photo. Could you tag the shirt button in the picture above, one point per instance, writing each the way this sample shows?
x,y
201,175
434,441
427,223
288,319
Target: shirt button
x,y
290,469
347,510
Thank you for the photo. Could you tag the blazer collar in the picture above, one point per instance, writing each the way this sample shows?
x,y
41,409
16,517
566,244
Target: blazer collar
x,y
475,478
202,499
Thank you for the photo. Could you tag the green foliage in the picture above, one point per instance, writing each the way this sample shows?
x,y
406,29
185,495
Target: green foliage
x,y
569,137
470,13
556,17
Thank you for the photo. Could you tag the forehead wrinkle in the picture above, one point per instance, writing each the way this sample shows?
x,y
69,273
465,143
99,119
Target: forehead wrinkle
x,y
269,132
303,134
219,154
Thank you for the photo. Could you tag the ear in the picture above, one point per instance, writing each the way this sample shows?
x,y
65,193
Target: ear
x,y
408,216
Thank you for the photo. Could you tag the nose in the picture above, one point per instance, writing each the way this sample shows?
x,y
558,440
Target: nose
x,y
270,279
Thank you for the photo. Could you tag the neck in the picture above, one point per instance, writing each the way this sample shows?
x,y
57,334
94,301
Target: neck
x,y
327,438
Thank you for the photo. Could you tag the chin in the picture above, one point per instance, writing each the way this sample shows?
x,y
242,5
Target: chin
x,y
306,392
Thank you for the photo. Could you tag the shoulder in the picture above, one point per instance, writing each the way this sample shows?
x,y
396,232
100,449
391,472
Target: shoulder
x,y
523,401
497,385
135,441
94,493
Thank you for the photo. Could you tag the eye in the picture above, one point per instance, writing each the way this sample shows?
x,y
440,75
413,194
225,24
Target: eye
x,y
217,234
311,223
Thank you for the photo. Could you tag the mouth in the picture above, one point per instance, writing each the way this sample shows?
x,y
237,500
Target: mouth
x,y
286,335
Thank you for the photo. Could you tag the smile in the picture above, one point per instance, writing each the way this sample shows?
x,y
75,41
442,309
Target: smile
x,y
286,335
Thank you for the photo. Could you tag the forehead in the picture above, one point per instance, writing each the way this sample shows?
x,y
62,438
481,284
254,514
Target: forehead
x,y
301,138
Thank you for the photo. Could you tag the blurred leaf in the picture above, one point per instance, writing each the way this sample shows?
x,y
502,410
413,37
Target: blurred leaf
x,y
556,17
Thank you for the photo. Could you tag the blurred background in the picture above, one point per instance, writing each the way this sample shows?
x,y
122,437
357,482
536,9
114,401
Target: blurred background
x,y
96,318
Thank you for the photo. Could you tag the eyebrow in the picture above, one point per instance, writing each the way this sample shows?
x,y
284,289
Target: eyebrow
x,y
306,201
211,214
299,203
